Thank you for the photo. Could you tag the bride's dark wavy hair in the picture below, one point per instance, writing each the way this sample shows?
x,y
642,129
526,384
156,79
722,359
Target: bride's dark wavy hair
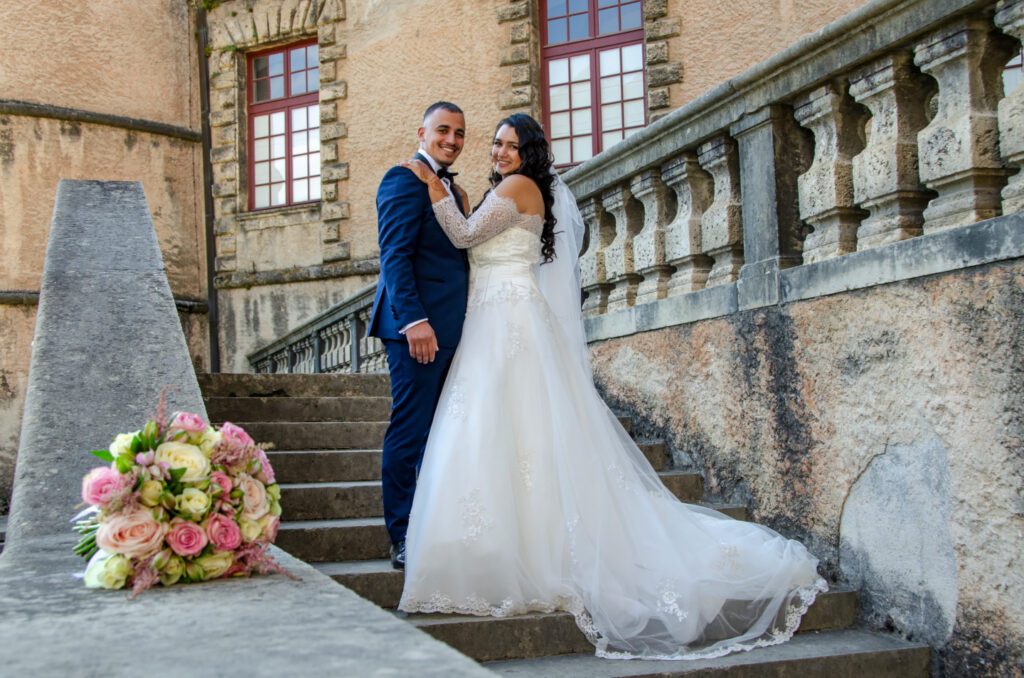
x,y
536,164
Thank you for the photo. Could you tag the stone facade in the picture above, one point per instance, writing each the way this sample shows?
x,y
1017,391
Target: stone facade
x,y
85,98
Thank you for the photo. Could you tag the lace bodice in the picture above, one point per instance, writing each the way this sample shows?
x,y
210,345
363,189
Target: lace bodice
x,y
497,233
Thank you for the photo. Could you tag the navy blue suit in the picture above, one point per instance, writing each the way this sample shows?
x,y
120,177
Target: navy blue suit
x,y
422,275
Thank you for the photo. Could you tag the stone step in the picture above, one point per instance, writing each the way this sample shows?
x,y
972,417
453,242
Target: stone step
x,y
847,653
302,385
379,583
325,465
3,532
362,499
299,408
319,541
541,635
318,435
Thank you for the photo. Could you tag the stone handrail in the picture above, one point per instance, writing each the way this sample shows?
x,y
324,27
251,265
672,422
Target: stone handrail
x,y
887,125
334,341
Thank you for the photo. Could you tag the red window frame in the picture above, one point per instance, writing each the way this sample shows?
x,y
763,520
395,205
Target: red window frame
x,y
284,104
591,46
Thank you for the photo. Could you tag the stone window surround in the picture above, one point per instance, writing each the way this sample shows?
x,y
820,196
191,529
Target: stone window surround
x,y
521,57
234,33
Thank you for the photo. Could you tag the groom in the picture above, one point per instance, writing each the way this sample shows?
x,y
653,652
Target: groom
x,y
418,309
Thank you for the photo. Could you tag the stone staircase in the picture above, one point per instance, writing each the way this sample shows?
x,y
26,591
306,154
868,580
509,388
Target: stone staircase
x,y
328,431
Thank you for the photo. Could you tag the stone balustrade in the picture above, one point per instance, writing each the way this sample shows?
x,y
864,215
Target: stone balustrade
x,y
334,341
889,125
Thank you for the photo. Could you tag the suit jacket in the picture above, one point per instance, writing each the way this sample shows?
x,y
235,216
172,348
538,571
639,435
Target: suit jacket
x,y
422,275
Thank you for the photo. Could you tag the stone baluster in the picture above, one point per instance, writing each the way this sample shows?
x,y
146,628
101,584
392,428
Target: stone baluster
x,y
694,191
618,256
959,154
1010,19
885,177
721,225
773,152
649,243
600,232
826,189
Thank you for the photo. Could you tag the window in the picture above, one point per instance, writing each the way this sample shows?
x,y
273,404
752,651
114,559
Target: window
x,y
284,126
593,75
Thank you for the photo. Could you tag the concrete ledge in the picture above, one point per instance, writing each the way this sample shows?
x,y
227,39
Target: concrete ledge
x,y
998,239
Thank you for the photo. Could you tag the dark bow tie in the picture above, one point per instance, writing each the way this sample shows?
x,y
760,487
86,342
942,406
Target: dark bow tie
x,y
443,173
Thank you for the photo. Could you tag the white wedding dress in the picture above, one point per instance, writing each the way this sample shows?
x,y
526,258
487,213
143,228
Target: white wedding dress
x,y
532,497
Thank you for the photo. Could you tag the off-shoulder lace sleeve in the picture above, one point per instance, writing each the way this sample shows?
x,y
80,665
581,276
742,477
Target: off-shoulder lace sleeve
x,y
495,215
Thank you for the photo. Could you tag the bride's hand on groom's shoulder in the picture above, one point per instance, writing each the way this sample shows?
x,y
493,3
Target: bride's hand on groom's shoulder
x,y
421,170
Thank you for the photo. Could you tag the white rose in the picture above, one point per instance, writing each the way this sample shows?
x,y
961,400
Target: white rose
x,y
254,497
122,443
209,441
188,457
193,502
107,571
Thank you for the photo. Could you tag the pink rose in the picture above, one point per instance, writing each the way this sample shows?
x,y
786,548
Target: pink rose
x,y
134,534
270,528
222,479
254,497
100,485
188,422
266,473
223,532
185,538
235,435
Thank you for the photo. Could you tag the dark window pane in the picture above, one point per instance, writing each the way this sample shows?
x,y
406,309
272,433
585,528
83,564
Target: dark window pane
x,y
579,27
299,83
262,90
631,16
556,8
313,80
260,65
607,3
577,6
298,60
276,64
277,87
557,31
608,21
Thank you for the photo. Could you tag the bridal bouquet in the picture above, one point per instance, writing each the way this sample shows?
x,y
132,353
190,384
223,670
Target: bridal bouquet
x,y
179,502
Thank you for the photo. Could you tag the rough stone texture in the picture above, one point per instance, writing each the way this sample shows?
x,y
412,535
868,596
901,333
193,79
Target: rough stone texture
x,y
885,177
721,224
627,214
649,243
785,408
593,274
959,149
826,188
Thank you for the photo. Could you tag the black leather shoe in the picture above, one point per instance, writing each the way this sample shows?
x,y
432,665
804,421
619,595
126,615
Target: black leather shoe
x,y
398,555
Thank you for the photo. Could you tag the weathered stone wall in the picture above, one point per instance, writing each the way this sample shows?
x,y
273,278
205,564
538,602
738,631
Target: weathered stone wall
x,y
83,97
884,427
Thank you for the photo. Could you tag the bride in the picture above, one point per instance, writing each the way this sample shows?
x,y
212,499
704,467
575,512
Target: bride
x,y
532,497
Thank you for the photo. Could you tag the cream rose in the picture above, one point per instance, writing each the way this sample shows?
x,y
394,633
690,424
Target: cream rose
x,y
193,502
188,457
215,564
122,443
135,534
254,497
149,493
173,571
251,529
209,442
107,571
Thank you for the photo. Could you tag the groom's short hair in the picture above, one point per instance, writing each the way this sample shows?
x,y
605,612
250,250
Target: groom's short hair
x,y
445,105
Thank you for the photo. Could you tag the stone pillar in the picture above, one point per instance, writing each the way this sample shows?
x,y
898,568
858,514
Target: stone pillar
x,y
600,232
1010,19
618,256
649,243
885,178
721,226
683,248
959,148
772,154
826,189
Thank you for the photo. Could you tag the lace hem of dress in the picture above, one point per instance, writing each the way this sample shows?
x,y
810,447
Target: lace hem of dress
x,y
439,603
